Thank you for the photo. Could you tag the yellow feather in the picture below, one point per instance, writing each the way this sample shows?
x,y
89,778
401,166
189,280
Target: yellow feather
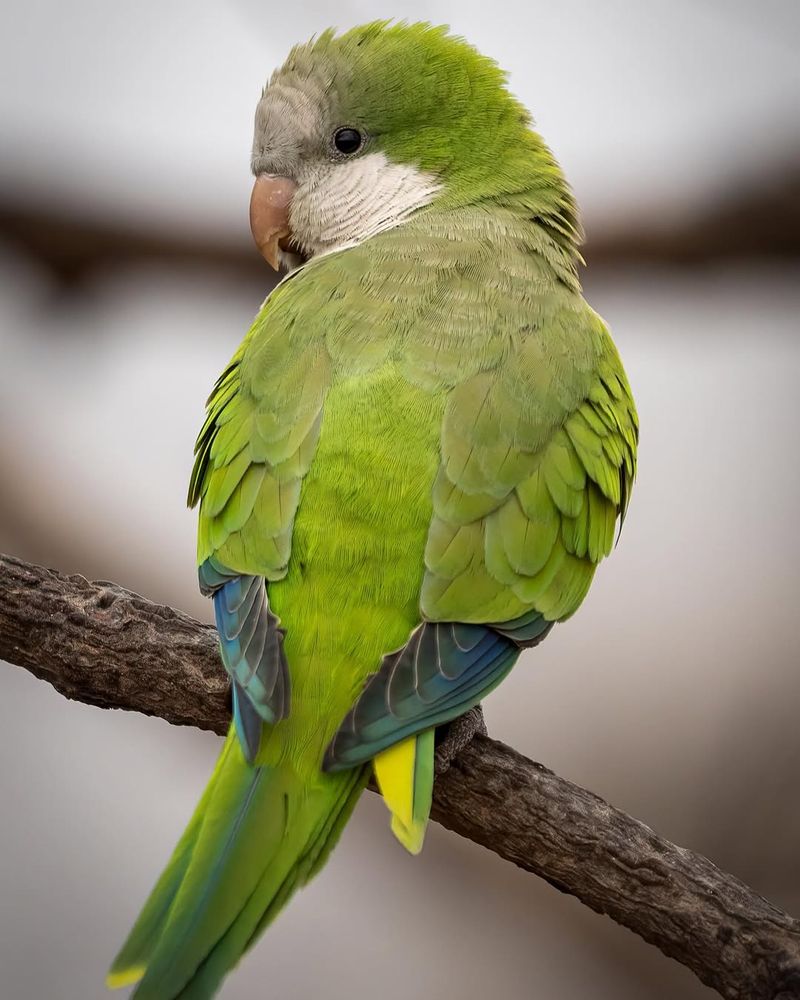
x,y
395,772
412,838
125,977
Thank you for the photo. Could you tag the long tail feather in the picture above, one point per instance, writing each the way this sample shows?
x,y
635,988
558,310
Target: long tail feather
x,y
130,964
265,903
258,835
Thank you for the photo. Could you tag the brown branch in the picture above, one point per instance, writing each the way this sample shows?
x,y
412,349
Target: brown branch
x,y
103,645
758,217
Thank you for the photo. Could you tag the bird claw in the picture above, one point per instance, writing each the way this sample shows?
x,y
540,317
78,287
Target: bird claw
x,y
453,737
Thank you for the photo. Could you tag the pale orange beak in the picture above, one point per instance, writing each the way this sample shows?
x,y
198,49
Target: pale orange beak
x,y
269,215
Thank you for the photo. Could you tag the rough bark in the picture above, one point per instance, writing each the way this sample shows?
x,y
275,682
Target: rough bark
x,y
101,644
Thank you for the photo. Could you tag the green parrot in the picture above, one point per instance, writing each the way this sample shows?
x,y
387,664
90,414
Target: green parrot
x,y
409,470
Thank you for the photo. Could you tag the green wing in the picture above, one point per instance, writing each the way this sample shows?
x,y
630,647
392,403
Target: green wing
x,y
538,458
256,445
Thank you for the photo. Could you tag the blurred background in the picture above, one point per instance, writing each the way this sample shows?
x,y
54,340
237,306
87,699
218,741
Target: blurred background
x,y
128,279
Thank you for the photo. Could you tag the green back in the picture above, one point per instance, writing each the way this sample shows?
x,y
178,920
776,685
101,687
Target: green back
x,y
465,430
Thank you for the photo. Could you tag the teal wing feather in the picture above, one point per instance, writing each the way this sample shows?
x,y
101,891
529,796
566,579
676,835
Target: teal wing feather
x,y
251,647
538,458
441,672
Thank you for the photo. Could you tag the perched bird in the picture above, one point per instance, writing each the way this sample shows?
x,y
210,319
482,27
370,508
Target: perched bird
x,y
408,472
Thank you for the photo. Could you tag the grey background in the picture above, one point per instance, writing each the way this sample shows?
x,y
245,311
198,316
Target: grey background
x,y
673,692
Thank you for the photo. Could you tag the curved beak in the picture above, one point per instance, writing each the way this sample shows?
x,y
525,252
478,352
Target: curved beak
x,y
269,215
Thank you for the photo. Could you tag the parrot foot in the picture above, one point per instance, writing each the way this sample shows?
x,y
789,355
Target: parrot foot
x,y
453,737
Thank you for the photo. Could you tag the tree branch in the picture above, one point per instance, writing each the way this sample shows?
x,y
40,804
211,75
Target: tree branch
x,y
101,644
758,217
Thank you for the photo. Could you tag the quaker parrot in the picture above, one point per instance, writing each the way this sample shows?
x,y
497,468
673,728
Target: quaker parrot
x,y
408,473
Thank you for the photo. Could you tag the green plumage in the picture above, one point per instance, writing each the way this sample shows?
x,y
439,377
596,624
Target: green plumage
x,y
429,426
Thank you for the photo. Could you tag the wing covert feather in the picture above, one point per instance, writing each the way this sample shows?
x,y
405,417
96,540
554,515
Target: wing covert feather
x,y
538,460
258,441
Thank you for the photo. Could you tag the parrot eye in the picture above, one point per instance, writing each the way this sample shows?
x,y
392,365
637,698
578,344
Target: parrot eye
x,y
347,140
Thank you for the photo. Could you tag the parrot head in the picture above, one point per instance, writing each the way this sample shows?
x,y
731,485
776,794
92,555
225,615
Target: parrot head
x,y
357,132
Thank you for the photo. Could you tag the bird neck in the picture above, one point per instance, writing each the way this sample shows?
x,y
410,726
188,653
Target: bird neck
x,y
524,199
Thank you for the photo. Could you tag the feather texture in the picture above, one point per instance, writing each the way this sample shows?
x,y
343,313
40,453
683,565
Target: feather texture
x,y
256,835
404,774
424,444
251,646
440,673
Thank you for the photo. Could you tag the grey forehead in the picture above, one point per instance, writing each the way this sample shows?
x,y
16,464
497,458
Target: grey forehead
x,y
289,123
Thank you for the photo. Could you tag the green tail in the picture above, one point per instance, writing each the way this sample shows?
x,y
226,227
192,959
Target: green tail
x,y
258,834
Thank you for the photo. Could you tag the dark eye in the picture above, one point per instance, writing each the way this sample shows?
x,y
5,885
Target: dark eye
x,y
347,140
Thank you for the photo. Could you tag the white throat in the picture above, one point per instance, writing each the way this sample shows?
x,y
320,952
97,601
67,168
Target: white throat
x,y
341,205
